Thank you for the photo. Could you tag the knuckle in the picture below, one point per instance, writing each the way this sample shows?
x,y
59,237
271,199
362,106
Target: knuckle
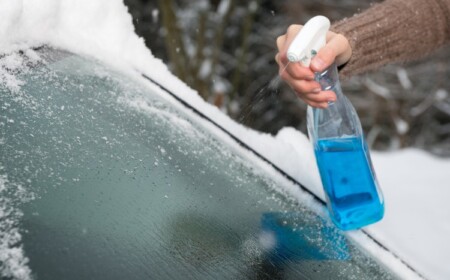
x,y
280,40
301,88
343,40
293,28
321,97
341,37
299,75
307,86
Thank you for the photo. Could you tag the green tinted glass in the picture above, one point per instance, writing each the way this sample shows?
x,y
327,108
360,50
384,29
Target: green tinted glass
x,y
127,186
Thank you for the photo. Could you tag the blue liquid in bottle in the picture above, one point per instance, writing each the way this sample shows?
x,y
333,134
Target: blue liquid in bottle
x,y
349,182
353,196
348,178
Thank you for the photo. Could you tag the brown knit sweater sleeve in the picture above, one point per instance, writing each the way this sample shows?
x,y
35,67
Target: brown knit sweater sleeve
x,y
394,31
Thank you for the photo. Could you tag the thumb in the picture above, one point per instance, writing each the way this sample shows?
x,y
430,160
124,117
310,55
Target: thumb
x,y
336,47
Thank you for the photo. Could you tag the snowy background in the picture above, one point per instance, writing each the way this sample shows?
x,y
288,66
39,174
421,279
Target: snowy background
x,y
415,183
229,47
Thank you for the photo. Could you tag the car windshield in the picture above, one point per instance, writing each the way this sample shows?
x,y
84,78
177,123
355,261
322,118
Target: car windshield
x,y
102,177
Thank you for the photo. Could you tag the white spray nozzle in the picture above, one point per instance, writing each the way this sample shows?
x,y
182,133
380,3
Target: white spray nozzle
x,y
309,40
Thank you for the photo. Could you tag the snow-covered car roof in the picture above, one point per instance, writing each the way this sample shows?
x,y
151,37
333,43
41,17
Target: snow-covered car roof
x,y
414,183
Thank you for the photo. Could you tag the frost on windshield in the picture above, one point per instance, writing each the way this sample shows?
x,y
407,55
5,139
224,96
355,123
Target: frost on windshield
x,y
13,193
122,173
13,262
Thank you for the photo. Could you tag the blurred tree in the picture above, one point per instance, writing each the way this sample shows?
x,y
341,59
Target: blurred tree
x,y
224,49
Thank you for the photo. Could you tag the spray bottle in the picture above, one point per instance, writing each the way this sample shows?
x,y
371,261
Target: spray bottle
x,y
353,196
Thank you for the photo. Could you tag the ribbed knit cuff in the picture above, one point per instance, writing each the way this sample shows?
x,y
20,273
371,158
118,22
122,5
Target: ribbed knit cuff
x,y
394,31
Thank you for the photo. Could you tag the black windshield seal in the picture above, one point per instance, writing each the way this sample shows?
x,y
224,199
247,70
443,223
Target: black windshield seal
x,y
273,165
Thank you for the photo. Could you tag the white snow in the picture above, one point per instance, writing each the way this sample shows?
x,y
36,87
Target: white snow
x,y
417,221
13,262
415,184
403,78
223,7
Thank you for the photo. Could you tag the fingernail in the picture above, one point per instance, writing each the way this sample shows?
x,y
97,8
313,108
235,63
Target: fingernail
x,y
316,90
318,63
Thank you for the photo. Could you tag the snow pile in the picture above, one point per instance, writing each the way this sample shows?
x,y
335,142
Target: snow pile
x,y
416,226
11,64
102,28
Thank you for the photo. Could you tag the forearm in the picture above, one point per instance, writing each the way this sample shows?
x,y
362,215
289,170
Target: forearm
x,y
394,31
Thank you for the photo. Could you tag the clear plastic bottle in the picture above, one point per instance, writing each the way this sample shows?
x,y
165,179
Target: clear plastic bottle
x,y
353,196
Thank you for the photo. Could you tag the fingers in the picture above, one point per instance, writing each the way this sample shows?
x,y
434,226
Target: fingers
x,y
300,78
320,100
296,71
303,87
309,91
284,41
343,49
337,49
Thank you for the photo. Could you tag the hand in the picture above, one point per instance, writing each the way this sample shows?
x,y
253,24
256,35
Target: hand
x,y
301,78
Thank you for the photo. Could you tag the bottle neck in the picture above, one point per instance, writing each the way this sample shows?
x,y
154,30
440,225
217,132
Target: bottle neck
x,y
329,80
339,119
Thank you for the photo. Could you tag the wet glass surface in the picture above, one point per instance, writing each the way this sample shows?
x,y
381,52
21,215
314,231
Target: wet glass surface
x,y
125,186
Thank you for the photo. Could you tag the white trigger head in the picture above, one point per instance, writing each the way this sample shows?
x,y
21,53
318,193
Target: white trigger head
x,y
310,39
